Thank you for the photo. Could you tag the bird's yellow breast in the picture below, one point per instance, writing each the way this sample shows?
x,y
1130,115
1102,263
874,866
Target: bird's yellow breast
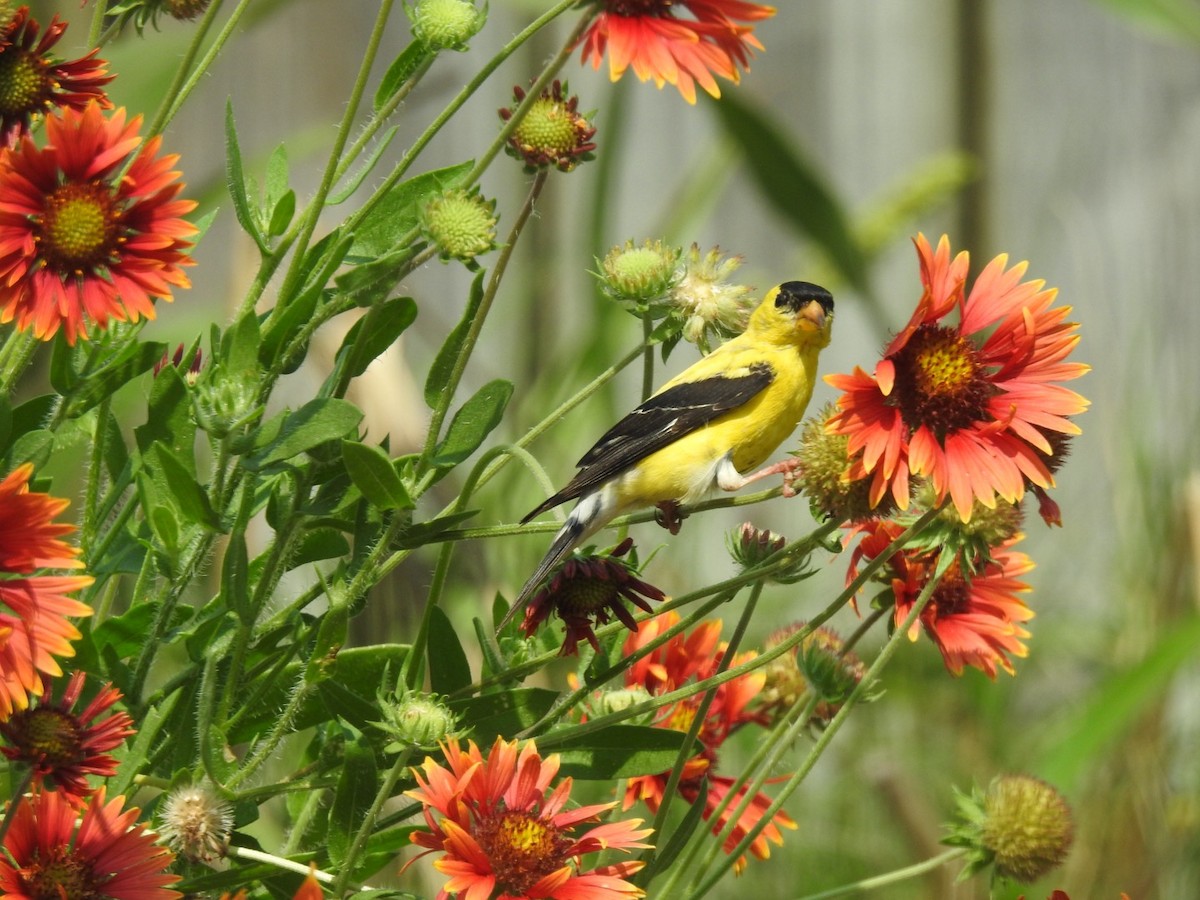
x,y
685,470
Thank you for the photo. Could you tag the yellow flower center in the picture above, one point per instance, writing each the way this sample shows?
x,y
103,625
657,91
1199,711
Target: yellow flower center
x,y
24,87
521,848
940,382
549,128
78,231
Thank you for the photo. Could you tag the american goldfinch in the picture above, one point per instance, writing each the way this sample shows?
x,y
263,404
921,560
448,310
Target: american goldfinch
x,y
722,416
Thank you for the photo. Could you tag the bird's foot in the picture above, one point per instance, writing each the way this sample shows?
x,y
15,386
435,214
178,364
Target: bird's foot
x,y
791,470
667,515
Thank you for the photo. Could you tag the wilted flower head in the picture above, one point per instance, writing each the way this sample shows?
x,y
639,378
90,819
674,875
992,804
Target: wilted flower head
x,y
709,306
445,24
653,38
585,590
640,277
1021,825
553,132
62,746
196,823
967,405
109,855
33,82
502,831
86,235
185,10
460,223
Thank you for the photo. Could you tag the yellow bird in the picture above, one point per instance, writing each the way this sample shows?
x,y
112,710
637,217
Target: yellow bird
x,y
722,416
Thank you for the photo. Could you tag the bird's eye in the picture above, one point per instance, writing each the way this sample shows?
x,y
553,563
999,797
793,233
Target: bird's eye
x,y
795,294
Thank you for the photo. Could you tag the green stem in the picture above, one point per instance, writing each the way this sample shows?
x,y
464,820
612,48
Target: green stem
x,y
700,716
18,793
96,25
889,878
473,330
91,496
312,215
647,357
368,824
869,681
181,85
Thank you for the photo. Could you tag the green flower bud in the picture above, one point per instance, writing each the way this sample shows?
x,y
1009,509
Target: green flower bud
x,y
460,223
445,24
415,720
640,276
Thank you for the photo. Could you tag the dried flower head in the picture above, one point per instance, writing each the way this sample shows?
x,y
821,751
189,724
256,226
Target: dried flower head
x,y
706,304
63,747
585,590
460,223
196,823
445,24
553,131
33,82
1021,825
185,10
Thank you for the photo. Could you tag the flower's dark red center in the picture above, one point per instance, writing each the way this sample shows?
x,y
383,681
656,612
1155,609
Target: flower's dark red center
x,y
952,595
633,8
25,87
61,875
46,736
940,382
521,848
583,596
79,229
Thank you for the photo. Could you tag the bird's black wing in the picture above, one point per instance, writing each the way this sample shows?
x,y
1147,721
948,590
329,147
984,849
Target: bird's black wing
x,y
659,421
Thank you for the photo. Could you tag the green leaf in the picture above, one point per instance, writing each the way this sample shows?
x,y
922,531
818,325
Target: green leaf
x,y
443,363
284,324
235,180
618,751
235,575
790,184
149,723
31,447
386,322
352,183
358,781
318,544
473,423
420,533
318,421
240,346
191,498
6,422
168,417
448,667
276,186
85,389
401,69
281,214
504,713
373,474
398,211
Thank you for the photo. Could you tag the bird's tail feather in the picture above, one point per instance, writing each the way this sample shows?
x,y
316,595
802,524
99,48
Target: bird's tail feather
x,y
588,517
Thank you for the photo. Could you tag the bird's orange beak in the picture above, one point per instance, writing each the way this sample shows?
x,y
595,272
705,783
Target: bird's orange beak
x,y
813,312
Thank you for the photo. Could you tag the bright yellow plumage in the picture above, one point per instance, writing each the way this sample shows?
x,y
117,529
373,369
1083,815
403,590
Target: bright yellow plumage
x,y
720,417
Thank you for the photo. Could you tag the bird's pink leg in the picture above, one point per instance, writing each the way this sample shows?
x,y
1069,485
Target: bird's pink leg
x,y
729,479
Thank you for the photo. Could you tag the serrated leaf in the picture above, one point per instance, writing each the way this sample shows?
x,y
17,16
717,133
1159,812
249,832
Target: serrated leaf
x,y
789,183
618,751
473,423
386,323
358,781
449,669
401,69
235,181
318,421
398,211
372,472
443,364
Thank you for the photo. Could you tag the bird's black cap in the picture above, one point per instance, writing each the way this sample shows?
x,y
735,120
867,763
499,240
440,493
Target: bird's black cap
x,y
795,294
